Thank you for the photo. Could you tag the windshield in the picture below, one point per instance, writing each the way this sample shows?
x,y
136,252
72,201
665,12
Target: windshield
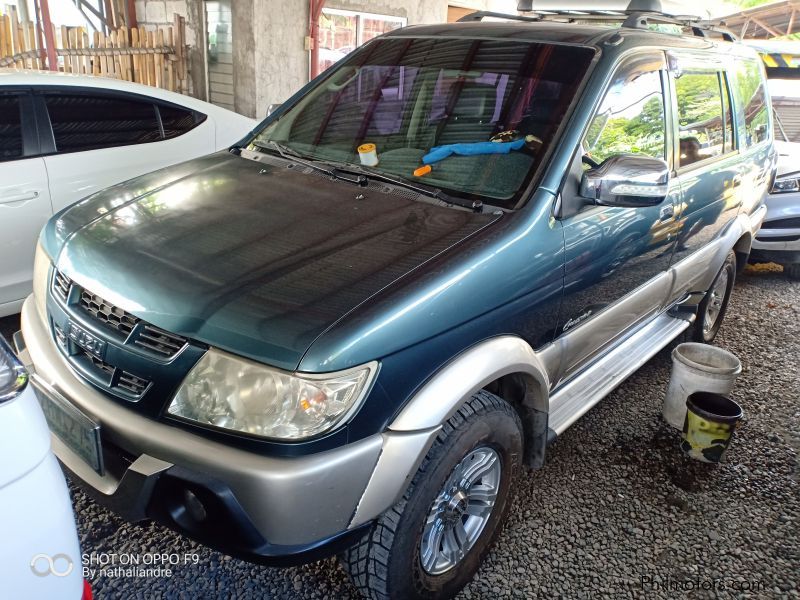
x,y
476,116
785,95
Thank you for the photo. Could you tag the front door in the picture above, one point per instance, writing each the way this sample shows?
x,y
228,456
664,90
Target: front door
x,y
617,258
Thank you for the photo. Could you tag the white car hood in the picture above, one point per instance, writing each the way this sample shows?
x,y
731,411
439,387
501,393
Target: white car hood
x,y
788,157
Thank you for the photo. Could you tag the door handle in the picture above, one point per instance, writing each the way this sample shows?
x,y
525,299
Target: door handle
x,y
666,212
19,197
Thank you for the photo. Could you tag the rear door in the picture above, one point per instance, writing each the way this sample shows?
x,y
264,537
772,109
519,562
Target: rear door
x,y
93,139
708,164
24,198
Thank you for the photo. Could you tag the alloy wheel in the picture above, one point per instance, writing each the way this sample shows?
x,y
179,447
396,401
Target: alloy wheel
x,y
460,511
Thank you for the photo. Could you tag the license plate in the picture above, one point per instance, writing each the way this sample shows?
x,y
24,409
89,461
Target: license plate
x,y
75,429
86,340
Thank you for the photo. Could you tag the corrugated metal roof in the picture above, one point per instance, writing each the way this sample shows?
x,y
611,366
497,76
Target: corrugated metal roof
x,y
776,19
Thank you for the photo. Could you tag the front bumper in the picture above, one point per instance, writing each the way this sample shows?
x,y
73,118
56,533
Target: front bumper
x,y
778,239
260,508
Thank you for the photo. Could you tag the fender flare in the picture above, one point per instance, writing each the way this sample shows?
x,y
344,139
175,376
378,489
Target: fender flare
x,y
470,371
413,431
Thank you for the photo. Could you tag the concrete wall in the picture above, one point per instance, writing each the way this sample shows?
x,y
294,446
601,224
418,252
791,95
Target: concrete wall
x,y
269,56
158,13
281,64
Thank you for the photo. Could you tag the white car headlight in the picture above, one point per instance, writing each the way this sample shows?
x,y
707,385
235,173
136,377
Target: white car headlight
x,y
786,184
226,391
41,274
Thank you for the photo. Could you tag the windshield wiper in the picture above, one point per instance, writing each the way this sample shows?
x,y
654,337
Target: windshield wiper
x,y
289,154
399,181
338,170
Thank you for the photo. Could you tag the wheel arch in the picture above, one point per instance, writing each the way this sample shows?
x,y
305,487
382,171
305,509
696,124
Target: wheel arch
x,y
505,365
742,249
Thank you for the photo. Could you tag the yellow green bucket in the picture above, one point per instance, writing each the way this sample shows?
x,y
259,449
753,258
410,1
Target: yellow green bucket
x,y
709,425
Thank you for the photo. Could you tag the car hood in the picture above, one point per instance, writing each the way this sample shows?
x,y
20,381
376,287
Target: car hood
x,y
788,157
255,258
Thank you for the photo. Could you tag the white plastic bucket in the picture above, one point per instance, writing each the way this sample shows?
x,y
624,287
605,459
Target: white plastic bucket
x,y
698,368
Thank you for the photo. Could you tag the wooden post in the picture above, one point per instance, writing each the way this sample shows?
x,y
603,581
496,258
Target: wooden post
x,y
131,14
160,60
16,45
97,64
151,60
3,44
171,62
49,35
179,51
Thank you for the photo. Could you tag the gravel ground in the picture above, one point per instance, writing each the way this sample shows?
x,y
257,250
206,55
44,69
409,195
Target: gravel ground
x,y
616,506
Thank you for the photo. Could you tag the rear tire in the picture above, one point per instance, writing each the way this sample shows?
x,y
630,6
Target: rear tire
x,y
415,549
712,309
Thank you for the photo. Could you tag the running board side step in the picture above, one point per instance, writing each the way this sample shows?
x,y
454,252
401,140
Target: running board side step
x,y
575,397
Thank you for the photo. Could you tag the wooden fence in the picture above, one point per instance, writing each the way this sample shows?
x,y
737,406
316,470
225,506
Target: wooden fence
x,y
152,57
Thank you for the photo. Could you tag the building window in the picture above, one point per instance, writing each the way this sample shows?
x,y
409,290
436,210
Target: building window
x,y
342,31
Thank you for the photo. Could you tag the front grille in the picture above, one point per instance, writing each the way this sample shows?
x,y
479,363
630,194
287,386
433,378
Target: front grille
x,y
129,382
132,345
108,314
98,364
135,385
780,238
61,285
60,336
159,341
790,223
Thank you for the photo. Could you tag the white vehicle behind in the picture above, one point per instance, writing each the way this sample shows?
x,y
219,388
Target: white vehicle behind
x,y
39,553
64,137
778,240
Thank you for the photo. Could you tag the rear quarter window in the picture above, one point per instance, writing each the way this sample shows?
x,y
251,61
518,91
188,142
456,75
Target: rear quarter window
x,y
752,111
176,120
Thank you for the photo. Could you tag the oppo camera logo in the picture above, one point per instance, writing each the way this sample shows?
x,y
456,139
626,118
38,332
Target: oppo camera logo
x,y
59,565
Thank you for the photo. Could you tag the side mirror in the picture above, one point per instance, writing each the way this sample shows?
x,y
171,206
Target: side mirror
x,y
273,107
627,180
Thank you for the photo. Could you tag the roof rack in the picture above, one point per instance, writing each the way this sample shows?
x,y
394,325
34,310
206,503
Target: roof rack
x,y
639,15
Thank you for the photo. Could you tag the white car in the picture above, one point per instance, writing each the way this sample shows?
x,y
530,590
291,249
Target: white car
x,y
778,240
63,137
39,553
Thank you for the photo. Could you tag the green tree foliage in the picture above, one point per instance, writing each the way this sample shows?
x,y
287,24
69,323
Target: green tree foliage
x,y
744,4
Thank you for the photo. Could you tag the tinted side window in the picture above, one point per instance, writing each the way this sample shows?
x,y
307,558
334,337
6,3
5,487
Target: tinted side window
x,y
10,128
177,121
87,122
752,103
630,119
701,120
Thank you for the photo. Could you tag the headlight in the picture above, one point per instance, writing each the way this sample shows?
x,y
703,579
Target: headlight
x,y
41,273
233,393
784,185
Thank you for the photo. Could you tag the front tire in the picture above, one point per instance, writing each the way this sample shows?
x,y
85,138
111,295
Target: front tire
x,y
715,304
431,543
